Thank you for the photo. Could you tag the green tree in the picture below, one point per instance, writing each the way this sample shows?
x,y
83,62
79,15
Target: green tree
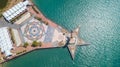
x,y
25,44
35,44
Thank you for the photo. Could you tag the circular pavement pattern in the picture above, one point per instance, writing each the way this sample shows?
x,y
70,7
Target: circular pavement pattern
x,y
34,31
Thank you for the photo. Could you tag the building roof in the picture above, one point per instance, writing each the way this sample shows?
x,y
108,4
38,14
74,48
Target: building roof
x,y
26,2
18,8
5,41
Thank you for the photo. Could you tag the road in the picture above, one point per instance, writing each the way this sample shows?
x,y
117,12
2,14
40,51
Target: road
x,y
4,23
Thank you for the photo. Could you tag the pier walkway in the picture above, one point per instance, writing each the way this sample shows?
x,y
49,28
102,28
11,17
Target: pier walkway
x,y
76,42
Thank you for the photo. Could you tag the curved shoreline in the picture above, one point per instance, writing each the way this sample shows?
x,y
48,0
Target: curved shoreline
x,y
44,19
38,14
25,54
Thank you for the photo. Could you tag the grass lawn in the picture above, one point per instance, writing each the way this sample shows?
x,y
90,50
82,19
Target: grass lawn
x,y
3,3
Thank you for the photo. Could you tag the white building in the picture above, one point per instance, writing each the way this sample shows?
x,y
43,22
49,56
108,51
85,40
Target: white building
x,y
5,41
15,10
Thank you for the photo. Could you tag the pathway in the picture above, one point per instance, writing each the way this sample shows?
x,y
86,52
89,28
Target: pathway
x,y
4,23
27,21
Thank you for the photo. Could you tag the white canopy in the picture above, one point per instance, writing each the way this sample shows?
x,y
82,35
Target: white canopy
x,y
26,2
11,11
8,12
14,11
14,14
13,8
5,15
5,41
8,53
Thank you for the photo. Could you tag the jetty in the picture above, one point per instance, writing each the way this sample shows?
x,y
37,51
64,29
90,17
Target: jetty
x,y
75,41
30,30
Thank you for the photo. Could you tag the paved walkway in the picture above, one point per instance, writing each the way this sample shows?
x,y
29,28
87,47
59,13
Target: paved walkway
x,y
21,35
27,21
4,23
49,34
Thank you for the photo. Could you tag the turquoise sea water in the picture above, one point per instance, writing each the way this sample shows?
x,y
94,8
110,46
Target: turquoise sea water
x,y
100,26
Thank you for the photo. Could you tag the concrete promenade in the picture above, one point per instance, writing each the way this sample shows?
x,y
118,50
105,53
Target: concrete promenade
x,y
48,43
